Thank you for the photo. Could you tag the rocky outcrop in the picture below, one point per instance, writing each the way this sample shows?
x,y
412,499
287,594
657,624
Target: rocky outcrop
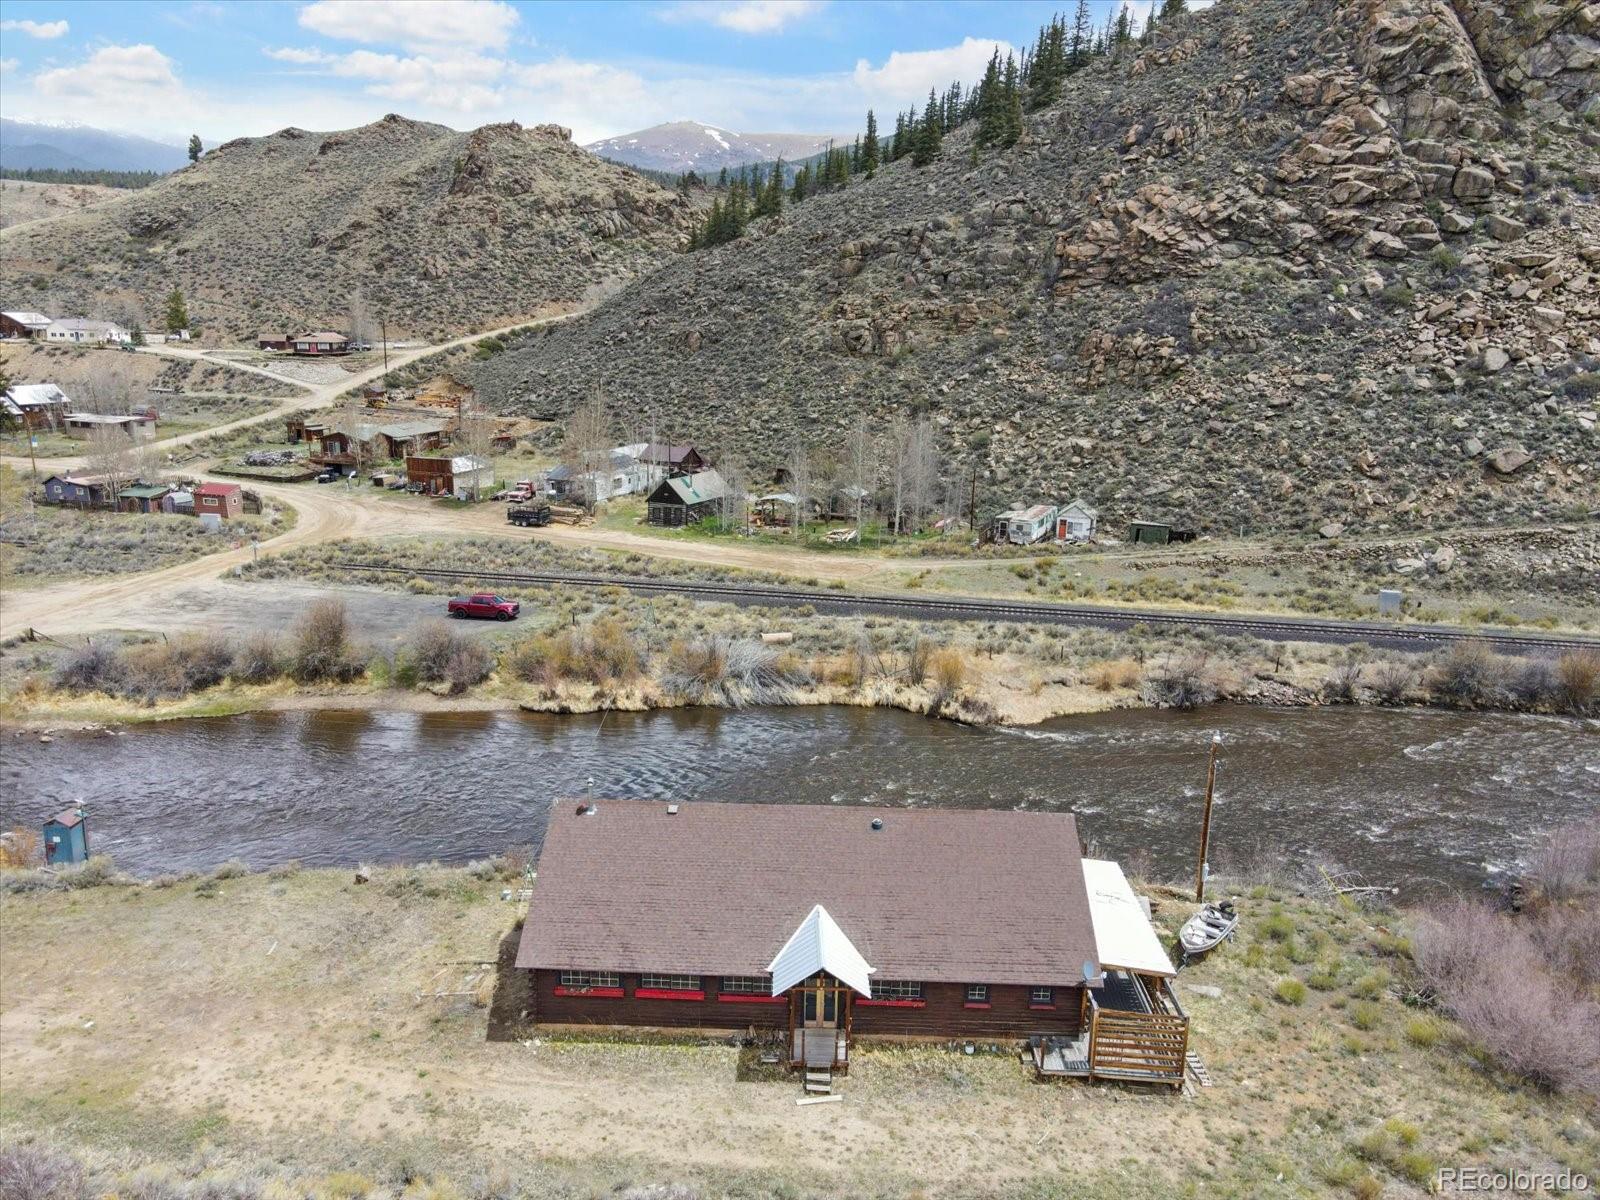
x,y
1548,50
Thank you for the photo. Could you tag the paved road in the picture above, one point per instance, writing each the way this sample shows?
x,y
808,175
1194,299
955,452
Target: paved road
x,y
974,608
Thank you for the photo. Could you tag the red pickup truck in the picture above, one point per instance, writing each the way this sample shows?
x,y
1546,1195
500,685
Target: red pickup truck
x,y
486,605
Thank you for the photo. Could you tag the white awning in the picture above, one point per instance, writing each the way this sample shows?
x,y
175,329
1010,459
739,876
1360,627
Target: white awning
x,y
1123,935
819,945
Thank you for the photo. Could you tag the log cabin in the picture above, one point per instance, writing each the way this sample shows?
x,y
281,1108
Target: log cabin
x,y
820,925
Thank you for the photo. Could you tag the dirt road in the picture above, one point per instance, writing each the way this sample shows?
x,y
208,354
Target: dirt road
x,y
317,395
328,512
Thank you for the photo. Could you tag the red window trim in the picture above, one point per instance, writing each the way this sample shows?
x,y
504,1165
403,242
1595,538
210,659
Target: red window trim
x,y
893,1003
607,992
749,998
640,993
1042,1007
977,1004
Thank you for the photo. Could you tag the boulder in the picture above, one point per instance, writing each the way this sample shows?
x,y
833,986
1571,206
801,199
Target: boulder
x,y
1382,245
1509,460
1331,529
1503,228
1495,360
1472,183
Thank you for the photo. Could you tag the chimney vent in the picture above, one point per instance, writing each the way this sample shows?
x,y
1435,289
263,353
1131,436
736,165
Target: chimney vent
x,y
877,823
672,810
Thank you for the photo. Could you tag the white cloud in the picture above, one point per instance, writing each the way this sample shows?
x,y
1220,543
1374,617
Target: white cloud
x,y
906,75
744,16
304,57
7,65
38,29
414,24
123,79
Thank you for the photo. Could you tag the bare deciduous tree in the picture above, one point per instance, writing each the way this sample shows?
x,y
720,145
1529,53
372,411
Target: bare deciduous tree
x,y
862,466
362,327
800,482
475,437
111,456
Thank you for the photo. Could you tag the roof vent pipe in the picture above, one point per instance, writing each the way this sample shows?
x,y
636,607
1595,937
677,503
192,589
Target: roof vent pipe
x,y
877,823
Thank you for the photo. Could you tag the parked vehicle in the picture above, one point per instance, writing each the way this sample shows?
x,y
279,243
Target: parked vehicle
x,y
485,606
528,514
330,477
520,494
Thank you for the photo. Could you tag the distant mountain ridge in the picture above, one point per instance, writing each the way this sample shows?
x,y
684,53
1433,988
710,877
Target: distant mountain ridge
x,y
67,147
695,146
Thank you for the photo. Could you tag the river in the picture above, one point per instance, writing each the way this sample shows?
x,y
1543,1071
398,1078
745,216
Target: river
x,y
1421,799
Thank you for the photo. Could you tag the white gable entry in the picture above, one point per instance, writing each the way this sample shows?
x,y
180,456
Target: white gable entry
x,y
818,944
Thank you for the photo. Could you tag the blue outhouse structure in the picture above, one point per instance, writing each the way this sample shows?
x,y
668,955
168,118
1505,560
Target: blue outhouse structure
x,y
66,837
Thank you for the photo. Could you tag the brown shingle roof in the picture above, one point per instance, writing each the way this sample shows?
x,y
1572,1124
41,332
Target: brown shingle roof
x,y
935,895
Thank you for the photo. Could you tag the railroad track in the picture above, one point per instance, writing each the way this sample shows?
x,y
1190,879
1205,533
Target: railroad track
x,y
943,608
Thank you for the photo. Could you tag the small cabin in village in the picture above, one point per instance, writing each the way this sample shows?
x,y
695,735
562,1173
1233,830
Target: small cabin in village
x,y
1075,522
321,343
134,425
822,925
685,499
221,500
674,460
35,405
86,491
19,323
1025,526
143,498
459,475
1158,533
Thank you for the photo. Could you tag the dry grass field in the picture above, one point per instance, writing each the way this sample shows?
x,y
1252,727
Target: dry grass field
x,y
260,1035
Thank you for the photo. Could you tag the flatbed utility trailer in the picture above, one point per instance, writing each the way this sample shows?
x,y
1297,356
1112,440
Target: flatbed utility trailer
x,y
528,514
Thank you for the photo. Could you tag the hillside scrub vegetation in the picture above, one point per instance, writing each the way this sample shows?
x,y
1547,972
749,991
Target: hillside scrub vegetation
x,y
1318,248
1523,984
494,224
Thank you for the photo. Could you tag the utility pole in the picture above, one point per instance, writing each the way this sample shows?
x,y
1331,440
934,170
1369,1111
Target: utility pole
x,y
383,335
33,463
1202,870
972,504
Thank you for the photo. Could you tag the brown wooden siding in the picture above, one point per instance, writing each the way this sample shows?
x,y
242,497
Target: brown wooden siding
x,y
944,1012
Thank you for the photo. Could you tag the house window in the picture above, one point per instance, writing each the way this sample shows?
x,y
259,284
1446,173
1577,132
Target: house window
x,y
1042,996
746,985
896,989
670,983
977,993
590,979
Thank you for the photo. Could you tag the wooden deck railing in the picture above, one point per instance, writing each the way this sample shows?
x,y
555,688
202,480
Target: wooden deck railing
x,y
1147,1046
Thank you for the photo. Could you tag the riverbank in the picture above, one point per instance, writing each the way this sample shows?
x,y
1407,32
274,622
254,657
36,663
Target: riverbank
x,y
1004,690
132,1053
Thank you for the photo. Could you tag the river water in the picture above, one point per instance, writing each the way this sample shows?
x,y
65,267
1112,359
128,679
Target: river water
x,y
1424,800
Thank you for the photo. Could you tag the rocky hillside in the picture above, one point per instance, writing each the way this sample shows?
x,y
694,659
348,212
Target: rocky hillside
x,y
705,149
446,231
1298,264
23,200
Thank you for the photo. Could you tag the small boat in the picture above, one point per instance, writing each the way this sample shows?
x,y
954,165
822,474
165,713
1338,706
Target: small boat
x,y
1202,932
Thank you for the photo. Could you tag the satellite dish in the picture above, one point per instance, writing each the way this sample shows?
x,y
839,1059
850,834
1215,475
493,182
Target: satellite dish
x,y
1091,970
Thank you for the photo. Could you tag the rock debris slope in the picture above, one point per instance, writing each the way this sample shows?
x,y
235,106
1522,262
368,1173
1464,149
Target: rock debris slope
x,y
1297,263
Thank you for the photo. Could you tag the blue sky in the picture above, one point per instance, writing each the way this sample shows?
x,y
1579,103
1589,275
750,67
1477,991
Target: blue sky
x,y
242,68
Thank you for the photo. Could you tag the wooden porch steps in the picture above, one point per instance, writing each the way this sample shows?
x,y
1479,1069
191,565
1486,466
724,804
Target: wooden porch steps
x,y
1197,1069
819,1080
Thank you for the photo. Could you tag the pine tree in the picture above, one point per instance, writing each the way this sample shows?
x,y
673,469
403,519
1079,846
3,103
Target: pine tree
x,y
1173,8
1011,90
802,184
177,312
138,334
991,104
1122,34
769,202
194,147
1081,45
869,146
722,180
930,134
